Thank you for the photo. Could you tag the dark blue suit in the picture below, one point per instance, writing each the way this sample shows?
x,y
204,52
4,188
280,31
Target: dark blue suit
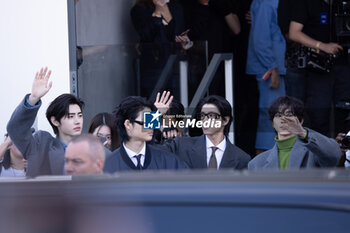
x,y
155,159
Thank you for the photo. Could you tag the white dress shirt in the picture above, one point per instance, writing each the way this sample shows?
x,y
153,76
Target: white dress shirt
x,y
11,172
219,153
132,154
347,164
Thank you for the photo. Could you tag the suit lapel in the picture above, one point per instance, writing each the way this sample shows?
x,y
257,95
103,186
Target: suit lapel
x,y
56,157
198,156
297,155
272,159
228,159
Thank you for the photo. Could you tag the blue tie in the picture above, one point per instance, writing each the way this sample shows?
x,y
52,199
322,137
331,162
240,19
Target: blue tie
x,y
138,157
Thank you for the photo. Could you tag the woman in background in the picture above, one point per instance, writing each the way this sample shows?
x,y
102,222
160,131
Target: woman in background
x,y
104,126
159,24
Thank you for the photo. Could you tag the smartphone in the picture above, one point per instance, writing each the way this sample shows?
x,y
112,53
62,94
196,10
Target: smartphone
x,y
185,32
167,1
102,139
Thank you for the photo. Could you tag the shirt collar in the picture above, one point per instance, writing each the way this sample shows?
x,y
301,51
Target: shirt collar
x,y
63,144
221,146
132,153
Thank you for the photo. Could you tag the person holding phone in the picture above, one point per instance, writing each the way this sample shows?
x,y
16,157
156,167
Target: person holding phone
x,y
159,23
104,126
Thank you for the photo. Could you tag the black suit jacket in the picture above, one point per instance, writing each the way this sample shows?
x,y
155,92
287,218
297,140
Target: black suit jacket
x,y
192,150
155,159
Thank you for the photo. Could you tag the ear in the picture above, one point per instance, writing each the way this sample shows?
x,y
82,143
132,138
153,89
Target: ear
x,y
55,122
225,120
127,124
100,164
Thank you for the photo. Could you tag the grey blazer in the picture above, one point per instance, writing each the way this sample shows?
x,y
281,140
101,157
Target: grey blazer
x,y
45,154
192,150
318,151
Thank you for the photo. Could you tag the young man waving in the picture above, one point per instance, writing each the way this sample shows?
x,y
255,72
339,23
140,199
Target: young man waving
x,y
45,154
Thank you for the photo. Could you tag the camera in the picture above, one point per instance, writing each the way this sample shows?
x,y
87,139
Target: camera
x,y
102,139
341,9
345,142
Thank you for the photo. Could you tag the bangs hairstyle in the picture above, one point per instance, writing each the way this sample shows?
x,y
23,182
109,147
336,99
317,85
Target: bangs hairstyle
x,y
59,108
109,120
281,104
129,109
223,106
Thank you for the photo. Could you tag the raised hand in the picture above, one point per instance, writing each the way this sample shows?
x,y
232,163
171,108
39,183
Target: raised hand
x,y
41,85
163,102
293,126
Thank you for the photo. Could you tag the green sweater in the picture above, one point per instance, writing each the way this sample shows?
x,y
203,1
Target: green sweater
x,y
284,148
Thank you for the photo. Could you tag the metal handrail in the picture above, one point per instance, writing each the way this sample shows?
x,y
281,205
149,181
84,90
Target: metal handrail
x,y
208,78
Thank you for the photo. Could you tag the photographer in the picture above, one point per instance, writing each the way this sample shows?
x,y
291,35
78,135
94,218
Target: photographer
x,y
344,144
311,26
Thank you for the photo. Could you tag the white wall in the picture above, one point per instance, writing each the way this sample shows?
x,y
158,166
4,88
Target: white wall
x,y
34,33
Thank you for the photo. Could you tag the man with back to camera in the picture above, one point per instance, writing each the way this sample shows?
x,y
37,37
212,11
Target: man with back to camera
x,y
213,149
135,153
296,147
45,154
85,154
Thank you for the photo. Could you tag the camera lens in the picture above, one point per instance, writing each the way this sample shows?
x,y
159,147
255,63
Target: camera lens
x,y
345,142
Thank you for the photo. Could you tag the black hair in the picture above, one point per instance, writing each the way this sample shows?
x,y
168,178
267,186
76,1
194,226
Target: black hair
x,y
222,104
59,108
6,162
176,108
283,103
129,109
109,120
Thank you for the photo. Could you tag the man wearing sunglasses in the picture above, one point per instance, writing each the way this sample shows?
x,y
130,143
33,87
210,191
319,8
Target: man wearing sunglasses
x,y
296,147
213,149
135,153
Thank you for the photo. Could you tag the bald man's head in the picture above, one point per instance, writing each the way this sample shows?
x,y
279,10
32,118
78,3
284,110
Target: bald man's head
x,y
85,154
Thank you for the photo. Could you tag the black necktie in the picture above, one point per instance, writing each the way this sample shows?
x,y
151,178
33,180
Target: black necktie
x,y
138,157
212,162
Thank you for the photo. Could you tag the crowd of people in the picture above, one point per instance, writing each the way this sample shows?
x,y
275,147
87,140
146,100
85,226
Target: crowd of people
x,y
271,88
269,40
73,153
